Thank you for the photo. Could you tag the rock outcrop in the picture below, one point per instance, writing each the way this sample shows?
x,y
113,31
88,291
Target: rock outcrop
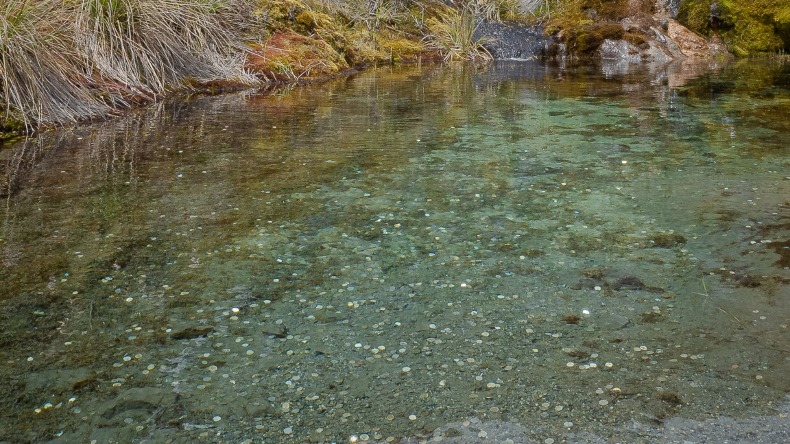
x,y
642,32
664,40
510,41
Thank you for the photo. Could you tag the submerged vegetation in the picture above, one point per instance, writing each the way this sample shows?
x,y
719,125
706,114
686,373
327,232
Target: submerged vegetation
x,y
71,60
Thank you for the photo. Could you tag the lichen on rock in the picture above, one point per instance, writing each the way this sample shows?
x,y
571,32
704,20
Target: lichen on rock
x,y
629,31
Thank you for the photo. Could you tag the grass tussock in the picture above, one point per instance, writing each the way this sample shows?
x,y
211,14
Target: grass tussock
x,y
66,61
453,34
149,45
43,79
496,10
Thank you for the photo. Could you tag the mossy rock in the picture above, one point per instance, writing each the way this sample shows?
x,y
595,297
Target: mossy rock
x,y
11,128
605,9
584,24
571,14
637,39
746,27
587,39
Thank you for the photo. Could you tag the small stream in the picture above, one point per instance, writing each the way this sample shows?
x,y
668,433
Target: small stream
x,y
527,252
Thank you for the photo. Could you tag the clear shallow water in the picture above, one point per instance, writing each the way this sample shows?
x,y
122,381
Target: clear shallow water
x,y
564,250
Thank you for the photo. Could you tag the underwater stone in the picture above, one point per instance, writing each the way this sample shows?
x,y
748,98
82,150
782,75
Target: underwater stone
x,y
139,402
192,332
613,322
585,284
629,283
667,240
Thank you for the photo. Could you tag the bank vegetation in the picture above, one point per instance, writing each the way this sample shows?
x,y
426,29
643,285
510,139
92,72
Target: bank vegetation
x,y
65,61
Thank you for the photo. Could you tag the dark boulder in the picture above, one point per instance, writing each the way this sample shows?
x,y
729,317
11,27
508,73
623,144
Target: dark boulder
x,y
513,41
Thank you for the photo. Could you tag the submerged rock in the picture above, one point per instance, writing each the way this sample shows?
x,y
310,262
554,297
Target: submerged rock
x,y
192,332
629,283
633,283
667,240
138,402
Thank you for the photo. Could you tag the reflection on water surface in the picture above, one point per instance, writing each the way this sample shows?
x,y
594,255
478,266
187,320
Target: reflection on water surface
x,y
562,250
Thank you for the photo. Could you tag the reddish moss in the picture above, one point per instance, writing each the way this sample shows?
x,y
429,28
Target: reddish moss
x,y
287,56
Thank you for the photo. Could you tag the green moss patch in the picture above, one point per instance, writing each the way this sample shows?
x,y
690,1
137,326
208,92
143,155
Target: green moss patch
x,y
746,27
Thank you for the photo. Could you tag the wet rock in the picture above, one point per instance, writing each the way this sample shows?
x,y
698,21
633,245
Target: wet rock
x,y
670,398
651,318
279,331
783,250
261,410
629,283
640,33
192,332
58,380
620,51
587,39
513,41
611,321
747,281
633,283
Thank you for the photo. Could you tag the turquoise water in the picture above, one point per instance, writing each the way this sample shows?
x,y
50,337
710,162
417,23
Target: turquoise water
x,y
565,250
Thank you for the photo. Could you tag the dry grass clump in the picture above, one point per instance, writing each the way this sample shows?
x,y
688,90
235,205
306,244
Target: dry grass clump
x,y
41,72
64,61
452,32
149,45
494,10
